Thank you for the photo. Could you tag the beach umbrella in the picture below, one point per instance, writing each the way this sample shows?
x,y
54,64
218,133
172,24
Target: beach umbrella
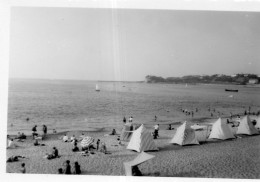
x,y
141,158
87,141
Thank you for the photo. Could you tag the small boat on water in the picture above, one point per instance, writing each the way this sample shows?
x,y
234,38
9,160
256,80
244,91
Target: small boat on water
x,y
231,90
97,88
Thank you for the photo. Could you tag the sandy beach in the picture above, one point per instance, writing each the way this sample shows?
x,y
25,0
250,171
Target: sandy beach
x,y
235,158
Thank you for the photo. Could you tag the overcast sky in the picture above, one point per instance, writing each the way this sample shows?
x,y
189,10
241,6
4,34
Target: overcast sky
x,y
120,44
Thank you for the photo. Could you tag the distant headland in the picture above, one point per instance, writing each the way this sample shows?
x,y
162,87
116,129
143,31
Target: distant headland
x,y
241,79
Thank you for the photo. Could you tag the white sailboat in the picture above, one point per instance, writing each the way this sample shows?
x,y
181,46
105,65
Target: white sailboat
x,y
97,88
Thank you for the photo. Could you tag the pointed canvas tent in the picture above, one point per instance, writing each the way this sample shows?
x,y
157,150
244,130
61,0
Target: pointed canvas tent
x,y
184,135
257,126
141,158
126,132
246,127
221,130
141,140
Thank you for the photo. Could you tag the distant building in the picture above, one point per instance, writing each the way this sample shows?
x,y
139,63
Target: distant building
x,y
253,81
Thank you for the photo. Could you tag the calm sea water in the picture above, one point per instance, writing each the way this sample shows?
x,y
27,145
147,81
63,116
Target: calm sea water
x,y
75,105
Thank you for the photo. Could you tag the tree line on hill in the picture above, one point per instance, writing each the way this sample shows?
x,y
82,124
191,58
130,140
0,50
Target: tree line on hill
x,y
241,79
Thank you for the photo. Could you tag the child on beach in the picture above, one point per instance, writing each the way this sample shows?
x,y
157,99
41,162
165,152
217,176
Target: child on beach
x,y
118,140
77,169
67,167
60,171
23,170
75,148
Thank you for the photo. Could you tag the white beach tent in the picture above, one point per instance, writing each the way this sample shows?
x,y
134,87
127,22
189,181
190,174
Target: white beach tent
x,y
221,130
184,135
126,132
141,140
141,158
257,126
246,127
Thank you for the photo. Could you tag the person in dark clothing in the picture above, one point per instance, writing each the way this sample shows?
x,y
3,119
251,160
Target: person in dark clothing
x,y
124,120
60,171
44,129
170,127
98,141
55,152
136,171
34,129
77,169
67,167
75,148
14,158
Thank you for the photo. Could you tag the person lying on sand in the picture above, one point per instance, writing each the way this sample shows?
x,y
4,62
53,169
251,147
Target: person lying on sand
x,y
20,137
14,158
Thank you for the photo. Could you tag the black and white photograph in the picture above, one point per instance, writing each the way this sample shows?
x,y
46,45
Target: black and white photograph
x,y
132,88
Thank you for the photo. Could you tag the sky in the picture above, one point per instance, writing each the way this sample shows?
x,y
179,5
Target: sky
x,y
128,44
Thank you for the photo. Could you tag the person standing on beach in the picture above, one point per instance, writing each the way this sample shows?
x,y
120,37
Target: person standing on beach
x,y
130,119
23,169
124,120
67,167
98,141
34,130
44,129
156,131
77,169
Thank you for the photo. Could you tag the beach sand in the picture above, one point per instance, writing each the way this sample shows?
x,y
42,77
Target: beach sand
x,y
236,158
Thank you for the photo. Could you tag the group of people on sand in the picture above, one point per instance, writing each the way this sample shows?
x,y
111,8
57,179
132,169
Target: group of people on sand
x,y
36,135
67,168
100,146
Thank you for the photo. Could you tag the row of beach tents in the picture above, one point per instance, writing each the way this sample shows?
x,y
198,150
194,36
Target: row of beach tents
x,y
142,140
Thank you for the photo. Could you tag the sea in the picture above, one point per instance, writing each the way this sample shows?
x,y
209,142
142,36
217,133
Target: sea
x,y
67,105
